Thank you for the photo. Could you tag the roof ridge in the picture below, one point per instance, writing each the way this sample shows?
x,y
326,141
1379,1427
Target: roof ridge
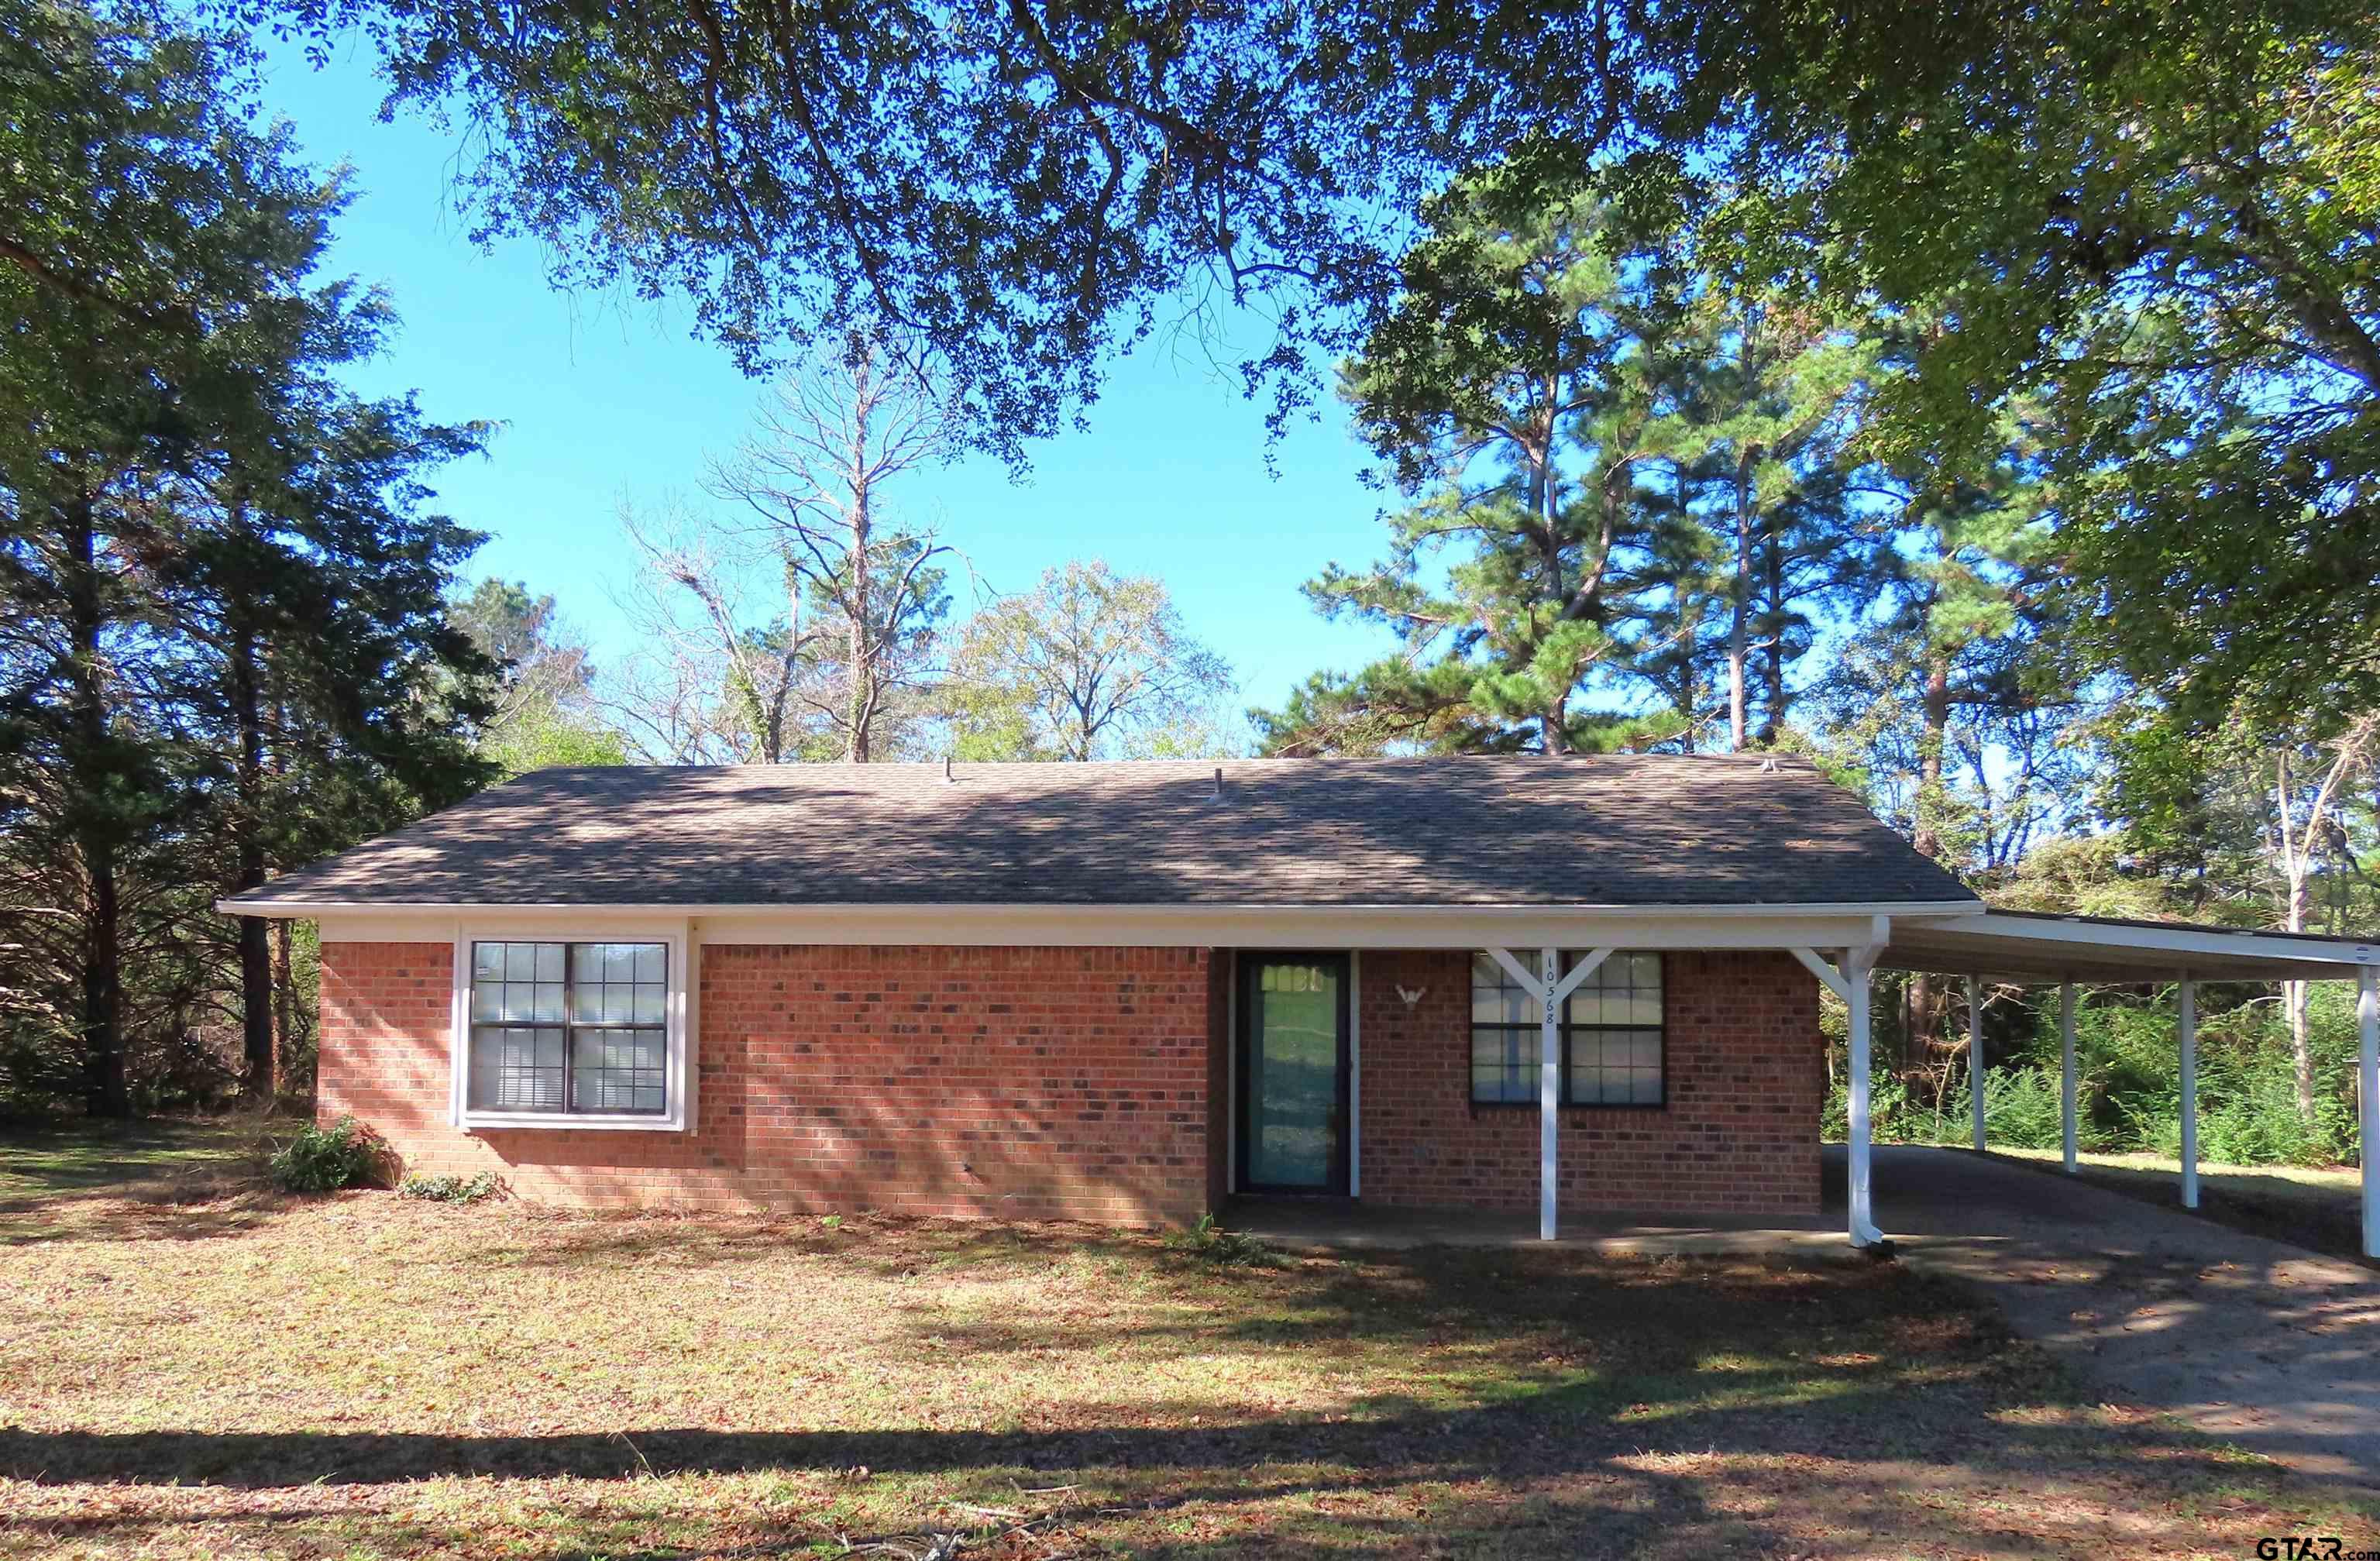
x,y
1519,763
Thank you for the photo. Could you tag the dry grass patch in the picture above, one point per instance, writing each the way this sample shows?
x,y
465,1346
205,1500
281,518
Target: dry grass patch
x,y
370,1376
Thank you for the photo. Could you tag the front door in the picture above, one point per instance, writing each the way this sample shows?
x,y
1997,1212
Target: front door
x,y
1292,1073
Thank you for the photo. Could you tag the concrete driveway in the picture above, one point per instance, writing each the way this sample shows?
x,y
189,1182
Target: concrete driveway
x,y
2266,1345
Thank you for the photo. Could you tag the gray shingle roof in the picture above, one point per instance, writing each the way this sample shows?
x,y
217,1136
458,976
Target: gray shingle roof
x,y
1617,830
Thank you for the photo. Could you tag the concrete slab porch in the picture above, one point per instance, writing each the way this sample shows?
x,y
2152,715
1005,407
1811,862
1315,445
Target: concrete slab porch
x,y
1340,1224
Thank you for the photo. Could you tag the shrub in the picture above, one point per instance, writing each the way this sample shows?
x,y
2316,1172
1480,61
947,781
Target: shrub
x,y
345,1154
1212,1243
450,1189
40,1065
2021,1107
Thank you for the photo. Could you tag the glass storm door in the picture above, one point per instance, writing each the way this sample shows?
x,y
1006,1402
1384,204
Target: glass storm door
x,y
1293,1072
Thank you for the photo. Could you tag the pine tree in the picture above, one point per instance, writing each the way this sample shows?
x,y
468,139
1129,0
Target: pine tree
x,y
1515,394
225,610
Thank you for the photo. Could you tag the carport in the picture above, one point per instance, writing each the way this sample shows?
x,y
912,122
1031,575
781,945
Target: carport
x,y
2024,949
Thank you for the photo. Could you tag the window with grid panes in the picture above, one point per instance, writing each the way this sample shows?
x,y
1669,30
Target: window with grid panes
x,y
1612,1034
571,1029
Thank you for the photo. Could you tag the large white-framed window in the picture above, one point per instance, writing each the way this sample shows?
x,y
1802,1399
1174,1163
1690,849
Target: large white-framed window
x,y
1613,1029
573,1026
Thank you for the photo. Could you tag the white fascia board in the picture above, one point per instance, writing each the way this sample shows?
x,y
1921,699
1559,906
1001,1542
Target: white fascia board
x,y
2007,928
305,909
1357,927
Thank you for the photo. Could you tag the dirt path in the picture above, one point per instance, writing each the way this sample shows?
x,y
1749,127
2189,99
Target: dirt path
x,y
2270,1346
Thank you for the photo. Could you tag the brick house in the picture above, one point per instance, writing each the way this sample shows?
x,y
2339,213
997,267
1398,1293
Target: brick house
x,y
1120,992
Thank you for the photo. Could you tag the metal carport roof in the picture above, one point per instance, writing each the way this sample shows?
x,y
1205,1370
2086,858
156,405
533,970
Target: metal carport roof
x,y
2031,948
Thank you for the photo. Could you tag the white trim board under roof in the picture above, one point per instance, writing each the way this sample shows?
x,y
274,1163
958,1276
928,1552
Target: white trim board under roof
x,y
1950,938
1245,926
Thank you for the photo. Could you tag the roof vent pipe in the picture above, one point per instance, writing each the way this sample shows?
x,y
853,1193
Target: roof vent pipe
x,y
947,776
1218,794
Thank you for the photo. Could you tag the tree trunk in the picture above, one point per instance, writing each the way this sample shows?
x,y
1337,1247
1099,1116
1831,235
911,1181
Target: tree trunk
x,y
861,640
255,937
1554,719
284,1000
1556,722
284,979
2294,874
2294,995
106,1090
860,645
1739,628
1928,837
777,716
1934,710
1772,707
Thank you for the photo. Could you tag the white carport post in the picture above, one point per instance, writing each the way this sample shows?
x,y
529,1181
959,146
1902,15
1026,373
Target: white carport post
x,y
2186,1025
1850,982
1551,988
2367,1015
1975,1055
1550,1097
2065,1072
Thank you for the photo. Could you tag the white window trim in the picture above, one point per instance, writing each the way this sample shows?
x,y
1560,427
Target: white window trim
x,y
681,1025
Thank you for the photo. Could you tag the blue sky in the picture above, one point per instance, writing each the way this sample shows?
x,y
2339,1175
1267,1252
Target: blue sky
x,y
603,401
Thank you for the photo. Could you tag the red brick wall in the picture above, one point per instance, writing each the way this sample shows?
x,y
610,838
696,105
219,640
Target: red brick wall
x,y
1739,1135
1086,1084
1024,1082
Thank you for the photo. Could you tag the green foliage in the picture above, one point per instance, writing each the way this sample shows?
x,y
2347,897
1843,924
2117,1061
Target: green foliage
x,y
552,740
542,713
1023,187
1512,386
452,1189
2128,1086
2162,259
2095,874
320,1159
1087,664
2170,219
40,1061
228,651
1626,481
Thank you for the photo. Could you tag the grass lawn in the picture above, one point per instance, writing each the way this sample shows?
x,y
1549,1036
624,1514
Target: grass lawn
x,y
2319,1209
190,1367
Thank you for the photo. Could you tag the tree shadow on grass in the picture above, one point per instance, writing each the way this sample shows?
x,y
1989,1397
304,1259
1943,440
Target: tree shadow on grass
x,y
1551,1424
180,1179
1555,1475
